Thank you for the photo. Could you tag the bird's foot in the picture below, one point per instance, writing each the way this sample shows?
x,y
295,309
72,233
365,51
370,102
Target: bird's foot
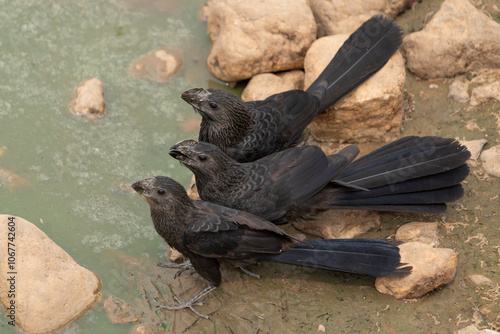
x,y
191,303
248,272
183,267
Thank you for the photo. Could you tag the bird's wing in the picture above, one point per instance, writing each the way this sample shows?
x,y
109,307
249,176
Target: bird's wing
x,y
290,111
228,233
298,173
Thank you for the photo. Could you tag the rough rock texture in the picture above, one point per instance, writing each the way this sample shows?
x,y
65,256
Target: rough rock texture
x,y
478,280
173,255
472,329
485,94
160,65
119,311
475,147
426,233
192,190
459,89
340,224
432,267
491,160
344,16
457,39
371,112
88,100
257,36
51,289
264,85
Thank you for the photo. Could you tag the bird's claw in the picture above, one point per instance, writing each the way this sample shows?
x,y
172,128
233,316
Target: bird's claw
x,y
190,304
184,266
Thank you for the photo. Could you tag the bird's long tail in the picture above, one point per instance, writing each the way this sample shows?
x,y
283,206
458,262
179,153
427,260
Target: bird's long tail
x,y
363,53
412,174
373,257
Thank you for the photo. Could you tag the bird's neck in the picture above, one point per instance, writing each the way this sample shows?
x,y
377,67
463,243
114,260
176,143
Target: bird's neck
x,y
169,220
227,174
229,133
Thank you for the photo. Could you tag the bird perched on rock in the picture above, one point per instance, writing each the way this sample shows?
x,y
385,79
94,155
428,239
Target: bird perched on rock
x,y
210,235
412,174
251,130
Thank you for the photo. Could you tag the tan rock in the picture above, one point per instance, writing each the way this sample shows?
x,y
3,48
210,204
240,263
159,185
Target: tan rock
x,y
485,94
257,36
344,16
479,280
119,311
192,190
459,89
160,65
432,267
426,233
333,224
264,85
491,160
472,329
173,255
88,100
458,38
51,289
475,147
371,112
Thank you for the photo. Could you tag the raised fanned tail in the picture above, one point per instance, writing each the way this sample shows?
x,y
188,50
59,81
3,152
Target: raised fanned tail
x,y
366,51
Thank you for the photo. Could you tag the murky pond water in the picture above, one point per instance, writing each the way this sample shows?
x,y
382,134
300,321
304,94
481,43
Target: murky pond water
x,y
74,170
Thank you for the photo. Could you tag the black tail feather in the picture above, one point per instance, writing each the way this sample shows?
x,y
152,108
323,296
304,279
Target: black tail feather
x,y
405,159
366,51
377,258
412,174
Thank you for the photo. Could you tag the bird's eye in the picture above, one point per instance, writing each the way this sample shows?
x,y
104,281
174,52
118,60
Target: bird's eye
x,y
202,157
161,191
213,105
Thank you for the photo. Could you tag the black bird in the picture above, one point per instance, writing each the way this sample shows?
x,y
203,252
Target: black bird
x,y
412,174
251,130
210,235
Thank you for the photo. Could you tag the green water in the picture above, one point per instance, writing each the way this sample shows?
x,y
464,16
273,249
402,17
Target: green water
x,y
75,166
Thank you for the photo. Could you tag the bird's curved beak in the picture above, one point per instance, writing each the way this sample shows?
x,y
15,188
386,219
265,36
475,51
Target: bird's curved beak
x,y
180,150
194,96
143,186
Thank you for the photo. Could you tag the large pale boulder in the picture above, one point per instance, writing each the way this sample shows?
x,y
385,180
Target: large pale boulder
x,y
344,16
264,85
43,289
432,267
457,39
257,36
371,112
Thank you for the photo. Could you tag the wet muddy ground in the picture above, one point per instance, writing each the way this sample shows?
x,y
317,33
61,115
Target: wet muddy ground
x,y
109,230
298,300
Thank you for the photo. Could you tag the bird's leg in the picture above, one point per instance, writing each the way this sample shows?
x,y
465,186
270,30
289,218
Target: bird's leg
x,y
248,272
183,267
191,303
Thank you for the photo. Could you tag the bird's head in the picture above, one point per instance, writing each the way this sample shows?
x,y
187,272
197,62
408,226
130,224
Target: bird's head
x,y
161,192
203,159
214,105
